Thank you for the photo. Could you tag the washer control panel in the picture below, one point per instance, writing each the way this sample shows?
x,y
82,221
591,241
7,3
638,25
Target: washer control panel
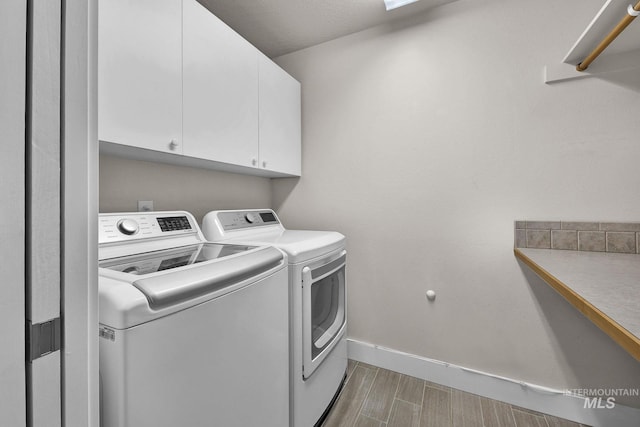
x,y
234,220
144,225
173,223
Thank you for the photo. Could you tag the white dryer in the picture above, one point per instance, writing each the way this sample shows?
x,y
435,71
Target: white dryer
x,y
317,268
191,333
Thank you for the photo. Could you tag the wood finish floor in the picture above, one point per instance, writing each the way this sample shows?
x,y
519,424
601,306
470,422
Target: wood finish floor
x,y
376,397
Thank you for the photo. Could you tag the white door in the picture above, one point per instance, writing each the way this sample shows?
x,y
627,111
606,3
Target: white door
x,y
220,100
80,214
140,73
43,245
30,168
280,120
13,22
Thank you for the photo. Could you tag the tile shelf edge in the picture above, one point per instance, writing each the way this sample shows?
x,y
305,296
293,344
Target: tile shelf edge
x,y
618,333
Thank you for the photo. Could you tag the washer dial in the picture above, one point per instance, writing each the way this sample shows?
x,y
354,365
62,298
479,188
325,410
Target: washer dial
x,y
127,226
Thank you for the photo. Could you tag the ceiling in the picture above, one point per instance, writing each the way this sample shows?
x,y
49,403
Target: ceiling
x,y
277,27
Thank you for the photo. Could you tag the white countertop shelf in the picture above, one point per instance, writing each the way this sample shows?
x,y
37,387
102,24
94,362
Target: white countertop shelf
x,y
605,287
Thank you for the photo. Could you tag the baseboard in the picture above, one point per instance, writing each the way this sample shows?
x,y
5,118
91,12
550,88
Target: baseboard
x,y
526,395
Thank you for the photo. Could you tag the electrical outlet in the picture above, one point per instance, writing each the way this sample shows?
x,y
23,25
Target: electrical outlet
x,y
145,205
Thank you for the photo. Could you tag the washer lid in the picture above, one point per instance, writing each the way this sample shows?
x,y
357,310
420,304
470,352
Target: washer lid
x,y
167,259
197,277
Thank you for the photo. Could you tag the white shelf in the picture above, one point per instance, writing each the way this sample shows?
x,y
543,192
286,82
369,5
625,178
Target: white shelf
x,y
606,19
621,56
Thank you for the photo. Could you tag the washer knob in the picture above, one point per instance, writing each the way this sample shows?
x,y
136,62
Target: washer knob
x,y
127,226
251,218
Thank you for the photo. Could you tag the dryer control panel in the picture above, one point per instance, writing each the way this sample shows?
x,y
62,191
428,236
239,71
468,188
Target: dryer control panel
x,y
233,220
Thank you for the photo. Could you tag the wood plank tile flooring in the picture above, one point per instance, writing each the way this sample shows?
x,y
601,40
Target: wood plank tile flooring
x,y
376,397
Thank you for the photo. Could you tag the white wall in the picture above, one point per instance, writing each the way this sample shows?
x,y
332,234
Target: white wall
x,y
124,181
423,141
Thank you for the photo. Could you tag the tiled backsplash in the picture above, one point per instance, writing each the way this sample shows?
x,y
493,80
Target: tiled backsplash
x,y
620,237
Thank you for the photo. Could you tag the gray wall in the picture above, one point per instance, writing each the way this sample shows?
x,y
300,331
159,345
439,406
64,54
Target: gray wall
x,y
123,182
423,141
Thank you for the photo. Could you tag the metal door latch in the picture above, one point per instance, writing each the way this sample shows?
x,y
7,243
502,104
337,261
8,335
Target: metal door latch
x,y
42,338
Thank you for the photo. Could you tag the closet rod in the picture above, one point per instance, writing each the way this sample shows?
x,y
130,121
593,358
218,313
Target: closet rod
x,y
632,12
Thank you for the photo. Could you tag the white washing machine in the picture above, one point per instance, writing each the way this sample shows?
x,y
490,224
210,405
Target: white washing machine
x,y
191,333
317,262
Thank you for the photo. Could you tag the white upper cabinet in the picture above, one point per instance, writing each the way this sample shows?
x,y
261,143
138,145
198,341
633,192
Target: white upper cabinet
x,y
280,119
220,90
140,74
176,81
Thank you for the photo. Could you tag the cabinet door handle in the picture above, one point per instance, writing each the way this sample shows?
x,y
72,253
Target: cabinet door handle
x,y
254,162
264,164
173,145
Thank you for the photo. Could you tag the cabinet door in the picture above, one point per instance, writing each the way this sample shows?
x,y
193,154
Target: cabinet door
x,y
280,139
220,90
140,73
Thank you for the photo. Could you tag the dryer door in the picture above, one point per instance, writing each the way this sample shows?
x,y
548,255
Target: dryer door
x,y
324,310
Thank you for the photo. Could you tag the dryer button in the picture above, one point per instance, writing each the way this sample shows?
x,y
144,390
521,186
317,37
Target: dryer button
x,y
251,218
